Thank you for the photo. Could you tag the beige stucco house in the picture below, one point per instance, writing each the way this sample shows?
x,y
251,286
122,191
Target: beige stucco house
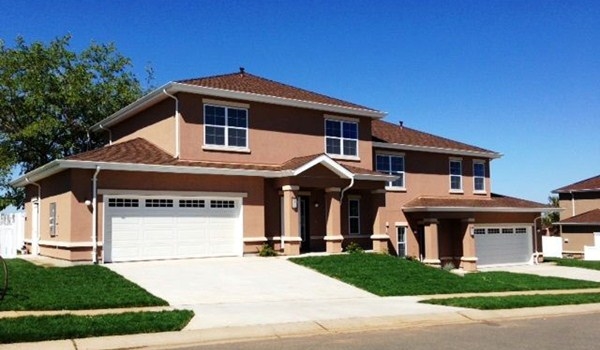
x,y
218,166
581,215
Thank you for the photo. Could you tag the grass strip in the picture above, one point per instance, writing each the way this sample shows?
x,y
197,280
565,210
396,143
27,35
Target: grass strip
x,y
585,264
82,287
517,301
40,328
386,275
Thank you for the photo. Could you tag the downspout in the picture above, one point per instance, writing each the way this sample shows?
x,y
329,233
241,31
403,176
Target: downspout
x,y
536,254
95,216
572,203
176,122
346,189
36,246
109,133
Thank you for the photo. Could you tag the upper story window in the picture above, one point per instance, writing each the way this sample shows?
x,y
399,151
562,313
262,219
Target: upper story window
x,y
341,137
479,176
225,126
456,175
392,165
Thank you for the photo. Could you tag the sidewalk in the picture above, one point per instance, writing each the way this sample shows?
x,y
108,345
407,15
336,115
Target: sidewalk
x,y
305,328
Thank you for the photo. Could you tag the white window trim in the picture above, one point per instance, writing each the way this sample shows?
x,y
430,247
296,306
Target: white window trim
x,y
405,226
388,186
226,147
450,175
350,200
484,190
342,120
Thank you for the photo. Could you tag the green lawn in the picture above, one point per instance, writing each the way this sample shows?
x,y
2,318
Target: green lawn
x,y
387,275
33,287
30,328
593,265
518,301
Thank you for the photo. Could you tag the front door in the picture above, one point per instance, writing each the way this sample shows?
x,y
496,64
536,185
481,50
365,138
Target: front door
x,y
304,220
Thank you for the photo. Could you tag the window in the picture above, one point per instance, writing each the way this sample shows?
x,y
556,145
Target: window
x,y
191,203
479,176
52,219
520,230
222,204
392,165
341,137
225,126
123,202
159,203
401,234
455,175
354,216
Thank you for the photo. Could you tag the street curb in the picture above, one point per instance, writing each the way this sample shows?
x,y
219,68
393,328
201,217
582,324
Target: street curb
x,y
286,330
89,312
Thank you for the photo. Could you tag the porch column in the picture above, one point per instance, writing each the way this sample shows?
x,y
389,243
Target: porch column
x,y
432,255
380,235
333,237
291,220
468,261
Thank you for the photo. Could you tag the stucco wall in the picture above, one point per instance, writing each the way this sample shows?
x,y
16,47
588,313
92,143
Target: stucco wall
x,y
583,202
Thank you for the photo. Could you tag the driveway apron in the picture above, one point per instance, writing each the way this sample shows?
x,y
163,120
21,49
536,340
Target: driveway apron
x,y
550,270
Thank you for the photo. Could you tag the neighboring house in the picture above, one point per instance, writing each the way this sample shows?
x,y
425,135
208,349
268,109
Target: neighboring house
x,y
218,166
581,215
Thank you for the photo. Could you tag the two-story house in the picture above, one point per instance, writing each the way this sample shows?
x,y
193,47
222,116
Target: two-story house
x,y
581,215
218,166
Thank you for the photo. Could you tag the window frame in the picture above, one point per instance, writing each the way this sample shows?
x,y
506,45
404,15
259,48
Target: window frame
x,y
404,242
355,217
459,176
341,138
53,225
226,128
390,185
482,177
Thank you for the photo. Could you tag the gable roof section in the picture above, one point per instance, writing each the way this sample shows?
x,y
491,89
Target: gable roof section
x,y
591,217
497,203
141,155
241,86
393,136
588,185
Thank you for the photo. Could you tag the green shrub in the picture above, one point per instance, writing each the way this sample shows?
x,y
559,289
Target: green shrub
x,y
267,250
448,267
354,248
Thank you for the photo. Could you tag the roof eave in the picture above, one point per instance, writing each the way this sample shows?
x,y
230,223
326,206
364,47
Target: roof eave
x,y
577,191
37,174
593,223
477,209
452,151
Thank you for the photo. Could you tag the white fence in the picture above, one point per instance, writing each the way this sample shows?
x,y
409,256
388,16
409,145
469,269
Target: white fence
x,y
12,234
552,247
592,252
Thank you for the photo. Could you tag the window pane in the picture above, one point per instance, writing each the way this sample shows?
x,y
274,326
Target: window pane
x,y
333,146
455,168
383,164
214,115
397,163
350,130
237,118
237,137
350,147
354,226
479,186
478,169
332,128
400,181
215,135
354,205
455,183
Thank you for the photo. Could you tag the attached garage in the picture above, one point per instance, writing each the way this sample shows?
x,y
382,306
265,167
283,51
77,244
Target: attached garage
x,y
503,245
148,228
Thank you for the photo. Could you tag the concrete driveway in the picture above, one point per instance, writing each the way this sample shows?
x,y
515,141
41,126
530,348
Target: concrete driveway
x,y
227,292
552,270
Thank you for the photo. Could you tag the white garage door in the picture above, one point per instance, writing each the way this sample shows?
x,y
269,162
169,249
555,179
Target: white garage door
x,y
146,228
503,245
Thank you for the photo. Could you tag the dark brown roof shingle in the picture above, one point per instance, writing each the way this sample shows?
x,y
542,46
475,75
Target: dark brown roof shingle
x,y
392,133
591,217
246,82
591,184
496,201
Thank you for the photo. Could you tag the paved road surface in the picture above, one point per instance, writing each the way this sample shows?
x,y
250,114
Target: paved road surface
x,y
556,333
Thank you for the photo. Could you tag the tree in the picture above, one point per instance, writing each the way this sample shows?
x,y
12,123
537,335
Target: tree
x,y
553,216
50,96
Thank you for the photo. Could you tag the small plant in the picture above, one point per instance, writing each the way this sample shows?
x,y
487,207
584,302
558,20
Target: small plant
x,y
354,248
448,267
411,258
266,250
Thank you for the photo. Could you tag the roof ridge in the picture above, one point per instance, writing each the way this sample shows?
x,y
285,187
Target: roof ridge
x,y
577,183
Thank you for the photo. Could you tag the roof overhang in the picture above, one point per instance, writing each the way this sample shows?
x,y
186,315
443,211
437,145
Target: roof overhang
x,y
478,209
452,151
159,94
577,191
577,223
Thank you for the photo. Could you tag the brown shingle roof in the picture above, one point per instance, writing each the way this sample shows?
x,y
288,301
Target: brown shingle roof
x,y
246,82
591,184
496,201
591,217
391,133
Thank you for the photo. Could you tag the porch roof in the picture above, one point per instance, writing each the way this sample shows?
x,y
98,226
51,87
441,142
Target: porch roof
x,y
591,217
495,203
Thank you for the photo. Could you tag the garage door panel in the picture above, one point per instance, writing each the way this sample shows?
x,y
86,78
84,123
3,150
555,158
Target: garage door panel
x,y
502,248
141,233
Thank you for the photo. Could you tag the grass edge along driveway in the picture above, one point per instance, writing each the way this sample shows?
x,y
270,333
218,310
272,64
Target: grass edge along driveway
x,y
517,301
387,275
58,327
584,264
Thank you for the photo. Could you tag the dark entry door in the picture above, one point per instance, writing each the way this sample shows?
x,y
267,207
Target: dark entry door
x,y
304,221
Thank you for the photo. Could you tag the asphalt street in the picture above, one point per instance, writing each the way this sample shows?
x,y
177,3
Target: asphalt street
x,y
563,332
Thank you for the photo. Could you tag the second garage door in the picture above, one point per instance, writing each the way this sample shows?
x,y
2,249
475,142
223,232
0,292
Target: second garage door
x,y
503,245
147,228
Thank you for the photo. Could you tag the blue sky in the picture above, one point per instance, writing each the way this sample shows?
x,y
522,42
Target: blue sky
x,y
518,77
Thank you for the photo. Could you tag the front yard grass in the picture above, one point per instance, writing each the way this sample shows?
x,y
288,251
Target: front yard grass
x,y
387,275
40,328
517,301
81,287
586,264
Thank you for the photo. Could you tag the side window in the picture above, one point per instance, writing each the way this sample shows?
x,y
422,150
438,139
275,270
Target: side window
x,y
354,216
341,137
52,219
479,176
392,165
455,175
